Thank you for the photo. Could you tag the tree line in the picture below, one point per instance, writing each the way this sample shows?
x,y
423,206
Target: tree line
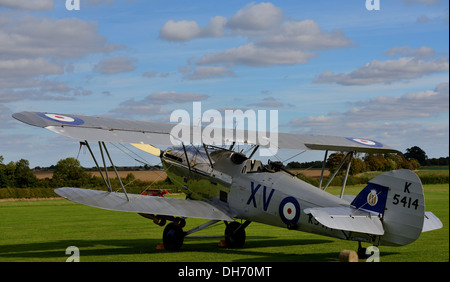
x,y
412,159
69,172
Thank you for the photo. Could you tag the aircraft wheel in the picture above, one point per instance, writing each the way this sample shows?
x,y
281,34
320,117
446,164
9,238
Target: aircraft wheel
x,y
173,237
233,237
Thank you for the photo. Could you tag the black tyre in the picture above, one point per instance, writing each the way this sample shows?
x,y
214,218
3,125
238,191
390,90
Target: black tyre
x,y
173,237
234,238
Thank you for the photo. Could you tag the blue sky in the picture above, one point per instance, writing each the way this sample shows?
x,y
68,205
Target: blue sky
x,y
328,67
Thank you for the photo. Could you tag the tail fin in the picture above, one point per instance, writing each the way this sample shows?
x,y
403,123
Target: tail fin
x,y
397,196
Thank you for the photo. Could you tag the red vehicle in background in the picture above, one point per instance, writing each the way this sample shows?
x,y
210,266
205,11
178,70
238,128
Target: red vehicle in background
x,y
155,192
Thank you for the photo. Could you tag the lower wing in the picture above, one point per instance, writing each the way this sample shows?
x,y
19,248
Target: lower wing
x,y
143,204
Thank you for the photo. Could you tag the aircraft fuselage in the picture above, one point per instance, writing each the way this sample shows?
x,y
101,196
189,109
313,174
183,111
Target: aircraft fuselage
x,y
248,190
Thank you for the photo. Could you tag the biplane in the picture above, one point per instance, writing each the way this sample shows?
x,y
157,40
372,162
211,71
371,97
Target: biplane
x,y
223,184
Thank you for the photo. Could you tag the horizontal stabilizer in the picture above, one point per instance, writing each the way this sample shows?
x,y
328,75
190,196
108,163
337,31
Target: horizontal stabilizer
x,y
431,222
348,219
143,204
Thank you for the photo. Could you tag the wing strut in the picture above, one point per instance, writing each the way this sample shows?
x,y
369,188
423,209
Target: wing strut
x,y
106,180
207,154
323,168
107,183
346,173
350,157
185,154
115,170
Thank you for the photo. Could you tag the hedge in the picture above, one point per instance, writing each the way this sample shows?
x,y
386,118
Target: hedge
x,y
138,186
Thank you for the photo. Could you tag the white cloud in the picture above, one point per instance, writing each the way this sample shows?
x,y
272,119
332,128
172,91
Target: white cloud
x,y
288,44
97,2
253,55
165,97
38,5
423,52
33,49
380,113
421,104
26,68
33,37
256,17
422,2
151,105
268,102
306,35
179,31
115,65
386,71
188,30
215,28
209,72
252,18
274,42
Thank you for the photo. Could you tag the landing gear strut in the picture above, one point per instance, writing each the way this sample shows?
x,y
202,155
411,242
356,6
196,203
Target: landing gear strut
x,y
361,252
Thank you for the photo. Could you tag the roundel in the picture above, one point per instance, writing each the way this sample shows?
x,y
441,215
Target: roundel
x,y
62,118
367,142
289,210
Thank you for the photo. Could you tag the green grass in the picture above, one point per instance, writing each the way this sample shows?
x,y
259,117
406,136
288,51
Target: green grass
x,y
42,230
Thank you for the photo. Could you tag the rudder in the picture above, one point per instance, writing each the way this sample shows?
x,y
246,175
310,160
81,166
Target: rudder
x,y
404,207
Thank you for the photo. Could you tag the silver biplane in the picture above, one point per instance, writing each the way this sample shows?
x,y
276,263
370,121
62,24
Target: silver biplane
x,y
224,185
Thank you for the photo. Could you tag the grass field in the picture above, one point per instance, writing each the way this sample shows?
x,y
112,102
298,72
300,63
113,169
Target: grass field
x,y
42,230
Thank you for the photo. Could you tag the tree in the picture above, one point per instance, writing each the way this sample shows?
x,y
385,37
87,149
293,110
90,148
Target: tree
x,y
334,160
417,154
68,172
23,175
374,162
357,166
3,178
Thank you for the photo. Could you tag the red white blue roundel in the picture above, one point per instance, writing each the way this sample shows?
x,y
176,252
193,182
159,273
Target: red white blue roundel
x,y
289,210
366,142
62,118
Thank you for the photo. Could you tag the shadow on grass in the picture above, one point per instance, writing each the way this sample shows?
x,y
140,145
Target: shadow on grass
x,y
256,249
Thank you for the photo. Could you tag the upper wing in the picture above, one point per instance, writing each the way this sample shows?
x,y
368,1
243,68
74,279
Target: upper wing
x,y
332,143
143,204
141,132
100,129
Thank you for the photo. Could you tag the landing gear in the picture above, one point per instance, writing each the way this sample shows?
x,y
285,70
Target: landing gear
x,y
173,237
235,234
362,252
